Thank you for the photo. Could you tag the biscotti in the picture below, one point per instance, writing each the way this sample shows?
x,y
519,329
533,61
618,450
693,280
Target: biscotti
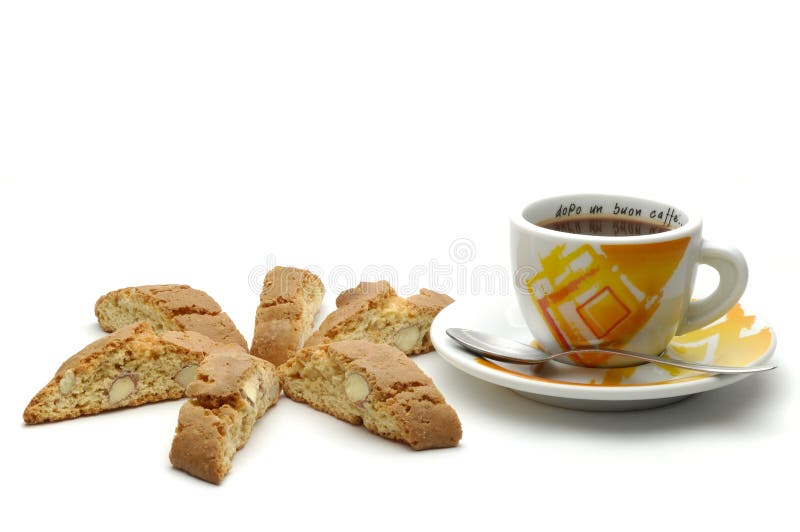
x,y
376,385
374,312
290,298
130,367
232,390
167,307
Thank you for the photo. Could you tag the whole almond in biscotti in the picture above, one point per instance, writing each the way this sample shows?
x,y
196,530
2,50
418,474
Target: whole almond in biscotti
x,y
167,307
376,385
374,312
232,390
129,367
290,298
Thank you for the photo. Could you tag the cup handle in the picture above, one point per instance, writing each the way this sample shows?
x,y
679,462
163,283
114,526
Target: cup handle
x,y
732,268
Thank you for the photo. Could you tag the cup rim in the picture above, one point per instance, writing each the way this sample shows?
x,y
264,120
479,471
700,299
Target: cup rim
x,y
519,221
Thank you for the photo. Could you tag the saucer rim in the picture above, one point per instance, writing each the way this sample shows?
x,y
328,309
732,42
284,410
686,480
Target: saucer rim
x,y
461,359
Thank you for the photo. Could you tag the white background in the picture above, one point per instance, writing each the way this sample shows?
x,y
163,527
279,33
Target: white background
x,y
196,142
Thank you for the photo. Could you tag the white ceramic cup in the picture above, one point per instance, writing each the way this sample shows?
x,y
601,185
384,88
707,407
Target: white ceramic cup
x,y
625,292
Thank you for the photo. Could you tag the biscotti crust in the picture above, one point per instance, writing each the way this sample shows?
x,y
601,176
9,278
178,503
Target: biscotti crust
x,y
402,403
430,301
365,292
290,298
232,390
169,307
150,364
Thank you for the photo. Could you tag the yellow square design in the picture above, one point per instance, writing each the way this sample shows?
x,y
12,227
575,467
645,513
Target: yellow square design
x,y
603,311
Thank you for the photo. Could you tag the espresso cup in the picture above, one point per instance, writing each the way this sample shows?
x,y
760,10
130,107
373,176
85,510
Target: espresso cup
x,y
596,270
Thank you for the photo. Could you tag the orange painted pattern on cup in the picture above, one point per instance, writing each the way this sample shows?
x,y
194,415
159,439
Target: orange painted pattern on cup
x,y
602,298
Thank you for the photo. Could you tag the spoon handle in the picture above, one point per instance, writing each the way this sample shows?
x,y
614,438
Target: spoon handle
x,y
677,363
507,350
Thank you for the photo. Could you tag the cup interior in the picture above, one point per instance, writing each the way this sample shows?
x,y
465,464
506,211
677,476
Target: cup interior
x,y
565,213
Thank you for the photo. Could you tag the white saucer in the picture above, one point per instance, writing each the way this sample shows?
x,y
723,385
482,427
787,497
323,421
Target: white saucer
x,y
737,339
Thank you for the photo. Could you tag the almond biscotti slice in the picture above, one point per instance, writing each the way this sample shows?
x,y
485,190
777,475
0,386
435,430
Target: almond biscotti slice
x,y
232,390
130,367
290,298
374,384
373,311
167,307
